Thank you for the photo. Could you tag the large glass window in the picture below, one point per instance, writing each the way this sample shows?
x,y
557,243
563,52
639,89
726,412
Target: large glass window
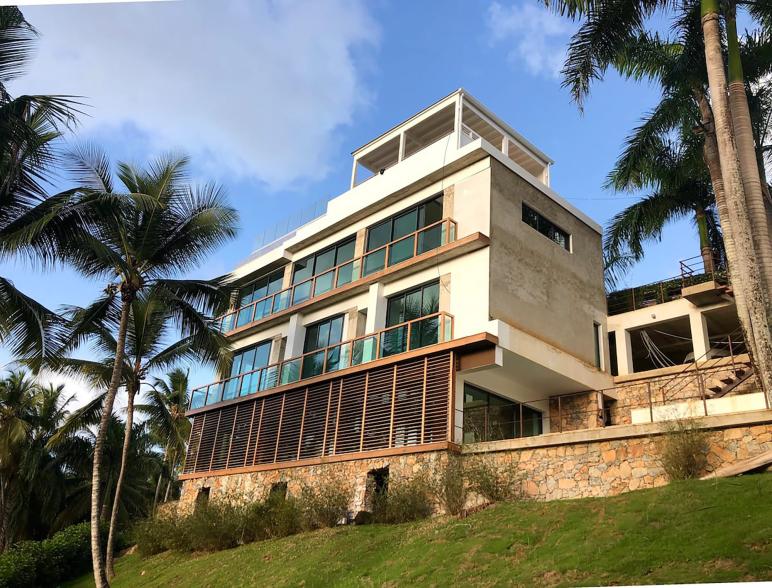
x,y
399,230
247,362
257,291
488,417
319,264
407,306
319,336
546,227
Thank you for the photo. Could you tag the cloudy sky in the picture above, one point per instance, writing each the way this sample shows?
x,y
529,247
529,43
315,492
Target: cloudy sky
x,y
270,97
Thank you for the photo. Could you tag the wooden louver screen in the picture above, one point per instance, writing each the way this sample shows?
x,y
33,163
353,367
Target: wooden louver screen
x,y
399,405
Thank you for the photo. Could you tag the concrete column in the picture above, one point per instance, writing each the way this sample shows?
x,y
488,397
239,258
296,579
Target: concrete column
x,y
277,350
287,280
359,243
700,339
376,308
295,336
624,352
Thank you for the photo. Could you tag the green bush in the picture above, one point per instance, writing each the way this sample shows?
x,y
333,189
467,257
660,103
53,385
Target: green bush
x,y
64,556
494,483
274,517
154,535
450,486
683,450
326,504
404,501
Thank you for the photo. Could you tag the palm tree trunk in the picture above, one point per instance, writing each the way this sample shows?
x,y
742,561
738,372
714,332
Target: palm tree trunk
x,y
160,478
747,282
110,571
3,517
706,251
100,578
746,149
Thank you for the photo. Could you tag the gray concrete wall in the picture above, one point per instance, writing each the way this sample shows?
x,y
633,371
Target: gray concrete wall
x,y
536,285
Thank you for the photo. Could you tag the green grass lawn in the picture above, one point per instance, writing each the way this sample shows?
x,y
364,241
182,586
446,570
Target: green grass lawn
x,y
687,532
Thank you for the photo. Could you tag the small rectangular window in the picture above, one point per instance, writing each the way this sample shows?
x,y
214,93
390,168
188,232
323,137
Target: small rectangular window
x,y
546,227
596,330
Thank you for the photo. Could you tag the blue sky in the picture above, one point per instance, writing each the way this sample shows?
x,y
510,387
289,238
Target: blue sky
x,y
270,98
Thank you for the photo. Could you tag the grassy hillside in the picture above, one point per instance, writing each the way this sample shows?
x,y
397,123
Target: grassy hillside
x,y
686,532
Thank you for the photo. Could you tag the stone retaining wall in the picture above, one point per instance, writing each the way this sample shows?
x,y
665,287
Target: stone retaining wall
x,y
597,462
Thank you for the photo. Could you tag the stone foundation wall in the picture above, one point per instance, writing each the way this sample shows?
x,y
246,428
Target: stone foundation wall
x,y
256,485
597,462
614,465
670,389
575,412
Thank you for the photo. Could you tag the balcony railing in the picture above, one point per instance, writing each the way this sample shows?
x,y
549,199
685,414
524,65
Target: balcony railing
x,y
421,332
693,271
416,243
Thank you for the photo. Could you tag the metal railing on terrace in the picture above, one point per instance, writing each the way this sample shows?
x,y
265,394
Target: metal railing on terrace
x,y
693,271
410,335
416,243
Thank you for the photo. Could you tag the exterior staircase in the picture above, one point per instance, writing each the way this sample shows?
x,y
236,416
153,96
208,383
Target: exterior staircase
x,y
723,386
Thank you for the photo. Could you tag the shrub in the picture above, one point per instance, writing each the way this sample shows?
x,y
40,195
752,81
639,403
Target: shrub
x,y
326,504
494,483
154,535
450,487
64,556
213,526
683,450
276,516
405,500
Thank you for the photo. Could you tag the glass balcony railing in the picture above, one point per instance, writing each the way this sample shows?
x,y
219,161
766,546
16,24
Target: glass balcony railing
x,y
416,243
415,334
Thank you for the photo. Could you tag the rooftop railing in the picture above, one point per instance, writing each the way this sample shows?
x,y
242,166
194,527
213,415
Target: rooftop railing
x,y
416,243
414,334
694,270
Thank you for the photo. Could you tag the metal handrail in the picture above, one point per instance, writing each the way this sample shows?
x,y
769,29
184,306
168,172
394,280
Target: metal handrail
x,y
331,278
357,351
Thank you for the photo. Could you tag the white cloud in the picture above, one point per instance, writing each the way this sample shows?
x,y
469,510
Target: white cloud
x,y
537,37
252,88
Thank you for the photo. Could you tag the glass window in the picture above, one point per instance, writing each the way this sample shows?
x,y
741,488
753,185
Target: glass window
x,y
546,227
403,224
323,334
379,235
596,331
489,417
323,261
413,304
409,306
251,358
262,287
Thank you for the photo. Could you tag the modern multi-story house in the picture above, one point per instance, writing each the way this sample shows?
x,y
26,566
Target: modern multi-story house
x,y
450,296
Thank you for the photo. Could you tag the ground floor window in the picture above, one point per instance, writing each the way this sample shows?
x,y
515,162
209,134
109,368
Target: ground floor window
x,y
489,417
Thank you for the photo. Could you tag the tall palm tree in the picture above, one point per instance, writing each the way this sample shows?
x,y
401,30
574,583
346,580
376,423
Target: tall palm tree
x,y
165,406
146,234
30,223
680,187
608,27
150,346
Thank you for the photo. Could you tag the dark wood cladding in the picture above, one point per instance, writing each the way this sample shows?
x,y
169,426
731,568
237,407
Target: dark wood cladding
x,y
394,406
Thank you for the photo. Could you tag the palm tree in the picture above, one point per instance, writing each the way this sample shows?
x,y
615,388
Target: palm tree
x,y
681,188
165,405
30,223
150,346
609,26
144,237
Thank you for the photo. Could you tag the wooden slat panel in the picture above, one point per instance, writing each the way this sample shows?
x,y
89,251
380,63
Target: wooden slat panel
x,y
269,429
408,403
313,427
402,403
350,421
437,382
223,442
195,437
290,426
378,414
206,445
240,435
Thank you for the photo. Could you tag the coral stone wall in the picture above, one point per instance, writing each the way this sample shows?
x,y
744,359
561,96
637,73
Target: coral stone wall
x,y
670,389
256,485
599,462
575,412
612,466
